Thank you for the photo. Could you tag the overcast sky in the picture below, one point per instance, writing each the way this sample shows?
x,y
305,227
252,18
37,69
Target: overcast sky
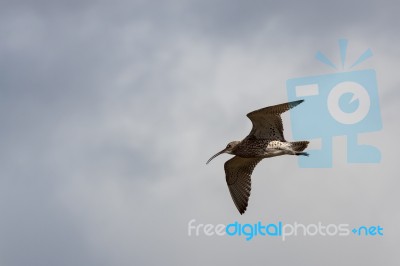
x,y
110,109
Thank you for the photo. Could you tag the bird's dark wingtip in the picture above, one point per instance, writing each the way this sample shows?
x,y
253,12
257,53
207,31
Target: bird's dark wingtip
x,y
295,103
298,102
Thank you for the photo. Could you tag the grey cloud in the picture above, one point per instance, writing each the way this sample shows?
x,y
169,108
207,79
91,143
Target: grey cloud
x,y
110,110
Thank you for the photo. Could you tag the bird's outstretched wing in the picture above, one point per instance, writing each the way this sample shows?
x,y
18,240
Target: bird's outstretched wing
x,y
267,122
238,177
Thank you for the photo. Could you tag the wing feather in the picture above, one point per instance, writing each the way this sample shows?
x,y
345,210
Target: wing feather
x,y
238,172
267,122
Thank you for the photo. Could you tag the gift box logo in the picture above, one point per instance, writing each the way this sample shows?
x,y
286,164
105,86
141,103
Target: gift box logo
x,y
337,104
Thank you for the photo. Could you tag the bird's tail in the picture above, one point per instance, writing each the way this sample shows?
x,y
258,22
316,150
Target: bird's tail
x,y
299,146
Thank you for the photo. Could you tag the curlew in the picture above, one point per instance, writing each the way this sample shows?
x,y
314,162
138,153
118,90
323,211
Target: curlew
x,y
265,140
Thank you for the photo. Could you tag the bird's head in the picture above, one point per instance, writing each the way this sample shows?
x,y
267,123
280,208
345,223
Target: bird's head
x,y
229,149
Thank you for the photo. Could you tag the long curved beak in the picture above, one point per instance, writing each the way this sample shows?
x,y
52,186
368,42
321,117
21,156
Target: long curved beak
x,y
215,155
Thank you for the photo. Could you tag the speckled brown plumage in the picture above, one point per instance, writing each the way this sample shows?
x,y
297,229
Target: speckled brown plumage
x,y
265,140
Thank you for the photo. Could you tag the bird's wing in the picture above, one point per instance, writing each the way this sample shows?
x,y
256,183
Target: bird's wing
x,y
238,177
267,122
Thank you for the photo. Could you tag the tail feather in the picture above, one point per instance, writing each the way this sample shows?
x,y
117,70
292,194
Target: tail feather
x,y
299,146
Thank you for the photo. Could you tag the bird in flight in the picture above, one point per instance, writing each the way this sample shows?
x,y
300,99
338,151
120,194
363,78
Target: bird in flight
x,y
265,140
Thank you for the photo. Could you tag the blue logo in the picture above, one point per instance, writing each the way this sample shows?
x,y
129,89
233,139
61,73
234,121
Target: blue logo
x,y
337,104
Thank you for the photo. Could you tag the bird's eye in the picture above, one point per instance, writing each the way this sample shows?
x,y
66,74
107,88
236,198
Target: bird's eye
x,y
228,146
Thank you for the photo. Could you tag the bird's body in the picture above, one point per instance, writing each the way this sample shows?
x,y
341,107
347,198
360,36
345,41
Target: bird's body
x,y
265,140
264,148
